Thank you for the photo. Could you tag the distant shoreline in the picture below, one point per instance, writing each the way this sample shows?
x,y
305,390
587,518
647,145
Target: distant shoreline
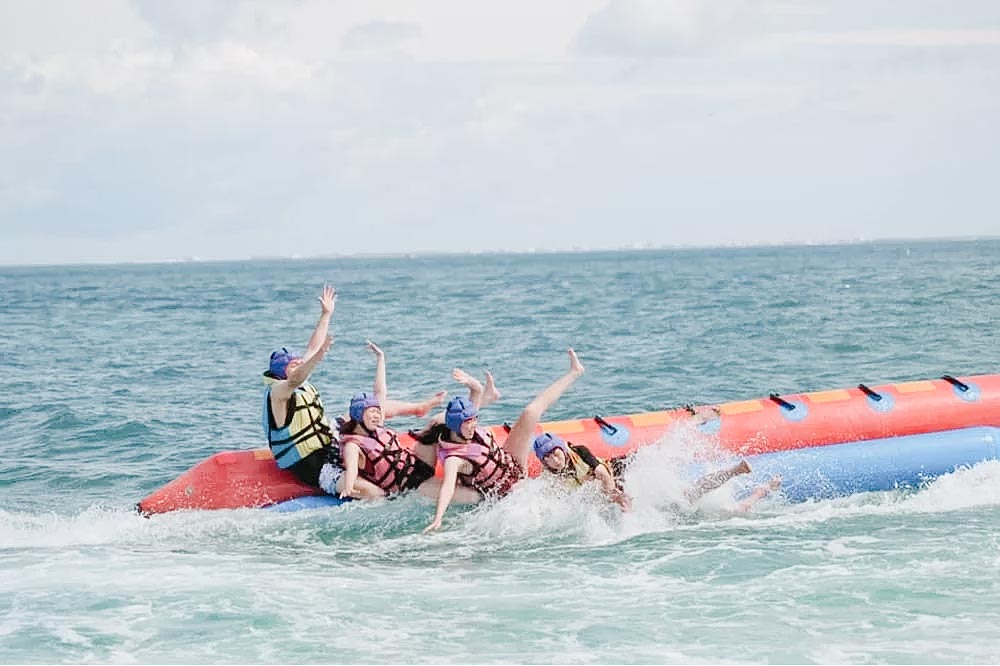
x,y
421,254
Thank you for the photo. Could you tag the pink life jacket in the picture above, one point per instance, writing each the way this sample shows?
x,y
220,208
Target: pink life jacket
x,y
387,464
494,470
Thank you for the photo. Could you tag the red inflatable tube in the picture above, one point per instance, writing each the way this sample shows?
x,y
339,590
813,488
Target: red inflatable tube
x,y
235,479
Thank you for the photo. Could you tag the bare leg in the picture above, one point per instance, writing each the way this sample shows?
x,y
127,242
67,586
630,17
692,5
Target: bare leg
x,y
363,489
519,441
714,480
759,493
463,494
490,392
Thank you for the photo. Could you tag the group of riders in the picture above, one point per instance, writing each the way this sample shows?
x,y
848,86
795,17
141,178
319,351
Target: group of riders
x,y
363,459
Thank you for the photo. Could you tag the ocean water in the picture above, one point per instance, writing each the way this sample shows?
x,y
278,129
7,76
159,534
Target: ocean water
x,y
119,378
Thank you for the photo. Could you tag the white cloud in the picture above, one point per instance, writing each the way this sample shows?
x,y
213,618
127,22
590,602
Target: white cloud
x,y
563,124
643,28
898,37
379,35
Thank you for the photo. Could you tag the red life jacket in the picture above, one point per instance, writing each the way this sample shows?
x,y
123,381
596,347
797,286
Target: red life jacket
x,y
387,464
494,470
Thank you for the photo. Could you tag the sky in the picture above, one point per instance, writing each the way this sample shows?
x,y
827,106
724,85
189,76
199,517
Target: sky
x,y
153,130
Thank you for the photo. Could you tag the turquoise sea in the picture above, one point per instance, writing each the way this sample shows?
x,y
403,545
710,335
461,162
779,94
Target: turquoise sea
x,y
119,378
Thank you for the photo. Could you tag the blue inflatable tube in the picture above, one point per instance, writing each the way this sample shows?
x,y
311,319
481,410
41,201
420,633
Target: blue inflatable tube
x,y
834,470
820,472
307,502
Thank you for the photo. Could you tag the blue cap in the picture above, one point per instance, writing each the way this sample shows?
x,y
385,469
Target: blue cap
x,y
360,403
458,411
279,362
547,443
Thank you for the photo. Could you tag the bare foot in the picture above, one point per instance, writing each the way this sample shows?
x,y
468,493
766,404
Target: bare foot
x,y
775,482
490,392
430,403
574,363
467,380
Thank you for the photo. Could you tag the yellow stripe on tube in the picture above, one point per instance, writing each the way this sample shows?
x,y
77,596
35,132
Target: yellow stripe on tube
x,y
915,387
836,395
744,407
563,427
651,419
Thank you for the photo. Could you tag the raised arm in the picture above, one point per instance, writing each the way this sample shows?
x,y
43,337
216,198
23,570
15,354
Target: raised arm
x,y
299,371
474,385
380,384
327,303
391,408
479,395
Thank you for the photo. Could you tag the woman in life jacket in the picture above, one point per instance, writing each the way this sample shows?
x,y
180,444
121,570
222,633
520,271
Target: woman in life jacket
x,y
370,450
575,464
480,396
473,459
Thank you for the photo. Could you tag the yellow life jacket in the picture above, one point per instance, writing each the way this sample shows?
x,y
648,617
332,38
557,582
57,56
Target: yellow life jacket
x,y
307,430
578,471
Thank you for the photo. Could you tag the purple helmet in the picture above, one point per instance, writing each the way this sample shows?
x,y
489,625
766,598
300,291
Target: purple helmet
x,y
547,443
458,411
360,403
279,362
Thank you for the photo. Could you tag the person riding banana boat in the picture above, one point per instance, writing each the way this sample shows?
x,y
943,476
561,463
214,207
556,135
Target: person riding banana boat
x,y
480,395
371,452
472,458
295,424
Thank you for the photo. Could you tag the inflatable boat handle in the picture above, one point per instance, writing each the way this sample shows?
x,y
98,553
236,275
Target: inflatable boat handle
x,y
870,393
961,386
604,424
784,403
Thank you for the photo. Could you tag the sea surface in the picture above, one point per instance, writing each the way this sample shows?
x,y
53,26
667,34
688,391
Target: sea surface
x,y
119,378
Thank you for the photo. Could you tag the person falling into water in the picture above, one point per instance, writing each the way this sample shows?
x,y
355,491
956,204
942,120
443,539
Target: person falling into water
x,y
576,465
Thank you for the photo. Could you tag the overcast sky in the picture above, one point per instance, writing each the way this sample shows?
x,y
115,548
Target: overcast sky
x,y
155,130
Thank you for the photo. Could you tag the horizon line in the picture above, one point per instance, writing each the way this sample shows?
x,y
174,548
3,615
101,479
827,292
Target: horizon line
x,y
414,254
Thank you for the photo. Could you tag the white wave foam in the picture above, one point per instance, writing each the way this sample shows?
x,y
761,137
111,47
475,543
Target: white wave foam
x,y
92,526
538,509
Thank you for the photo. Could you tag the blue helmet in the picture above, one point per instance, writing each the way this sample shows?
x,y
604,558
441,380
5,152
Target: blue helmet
x,y
279,362
458,411
547,443
360,403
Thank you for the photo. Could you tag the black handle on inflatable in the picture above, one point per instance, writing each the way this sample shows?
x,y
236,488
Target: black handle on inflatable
x,y
870,393
604,424
506,427
784,403
961,386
